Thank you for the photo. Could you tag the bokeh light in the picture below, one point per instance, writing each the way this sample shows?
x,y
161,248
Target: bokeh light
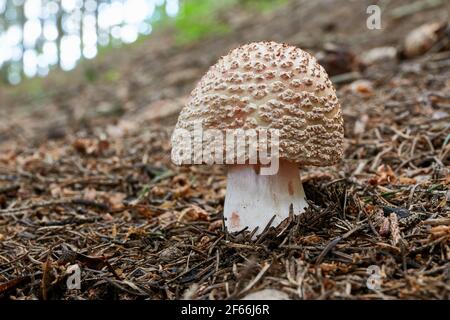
x,y
36,35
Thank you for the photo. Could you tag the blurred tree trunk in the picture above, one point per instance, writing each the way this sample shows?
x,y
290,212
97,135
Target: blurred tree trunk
x,y
82,10
4,66
59,17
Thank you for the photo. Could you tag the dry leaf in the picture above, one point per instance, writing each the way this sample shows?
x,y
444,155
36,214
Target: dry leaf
x,y
440,231
363,88
90,194
193,213
385,175
406,180
116,200
215,225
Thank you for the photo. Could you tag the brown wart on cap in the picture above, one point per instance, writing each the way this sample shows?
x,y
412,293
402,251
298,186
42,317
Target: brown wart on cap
x,y
266,86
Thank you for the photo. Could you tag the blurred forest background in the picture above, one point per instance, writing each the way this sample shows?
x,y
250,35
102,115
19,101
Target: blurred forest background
x,y
37,35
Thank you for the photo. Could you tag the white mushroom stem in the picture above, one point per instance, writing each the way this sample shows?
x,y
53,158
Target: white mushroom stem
x,y
253,199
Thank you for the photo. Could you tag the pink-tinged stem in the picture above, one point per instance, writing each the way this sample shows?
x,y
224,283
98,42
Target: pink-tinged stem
x,y
253,199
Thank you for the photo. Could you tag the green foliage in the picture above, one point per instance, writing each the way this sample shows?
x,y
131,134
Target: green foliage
x,y
264,5
90,74
199,18
112,75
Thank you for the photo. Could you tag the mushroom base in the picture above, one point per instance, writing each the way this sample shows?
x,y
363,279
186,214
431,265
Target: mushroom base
x,y
253,199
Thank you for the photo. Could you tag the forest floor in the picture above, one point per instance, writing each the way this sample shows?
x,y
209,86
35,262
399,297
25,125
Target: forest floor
x,y
86,176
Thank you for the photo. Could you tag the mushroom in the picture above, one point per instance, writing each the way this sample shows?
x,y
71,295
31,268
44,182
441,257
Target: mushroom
x,y
279,92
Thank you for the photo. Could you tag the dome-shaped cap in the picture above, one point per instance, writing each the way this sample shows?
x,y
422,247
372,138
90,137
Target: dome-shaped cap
x,y
267,85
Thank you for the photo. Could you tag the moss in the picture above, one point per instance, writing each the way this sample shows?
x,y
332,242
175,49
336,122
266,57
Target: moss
x,y
32,90
112,75
90,74
264,6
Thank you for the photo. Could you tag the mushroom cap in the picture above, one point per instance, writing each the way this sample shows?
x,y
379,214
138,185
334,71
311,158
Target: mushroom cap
x,y
268,85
